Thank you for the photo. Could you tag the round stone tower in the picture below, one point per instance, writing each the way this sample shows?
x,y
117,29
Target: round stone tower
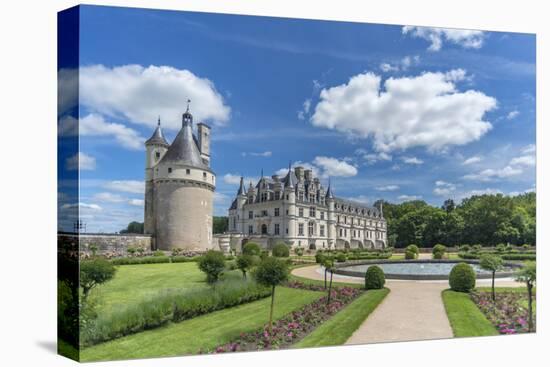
x,y
183,192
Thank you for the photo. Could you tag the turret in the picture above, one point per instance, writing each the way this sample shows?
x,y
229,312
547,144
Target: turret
x,y
329,199
241,195
155,148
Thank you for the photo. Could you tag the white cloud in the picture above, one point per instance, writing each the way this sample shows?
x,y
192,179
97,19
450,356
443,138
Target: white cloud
x,y
386,67
472,160
443,188
421,111
94,207
131,186
373,158
479,192
267,153
402,65
515,167
412,160
136,202
109,197
80,161
67,126
140,94
324,167
512,115
220,198
235,179
67,86
525,160
306,106
491,174
95,125
334,167
437,36
531,148
359,199
387,188
409,197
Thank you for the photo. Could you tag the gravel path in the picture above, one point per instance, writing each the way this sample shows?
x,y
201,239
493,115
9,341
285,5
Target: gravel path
x,y
413,310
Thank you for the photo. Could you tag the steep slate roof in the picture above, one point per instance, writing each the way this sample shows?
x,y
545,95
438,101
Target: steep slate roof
x,y
184,150
157,137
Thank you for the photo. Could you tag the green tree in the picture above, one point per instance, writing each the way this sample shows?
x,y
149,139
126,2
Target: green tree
x,y
94,272
448,205
492,263
220,224
271,272
244,263
212,263
133,227
251,248
528,275
93,248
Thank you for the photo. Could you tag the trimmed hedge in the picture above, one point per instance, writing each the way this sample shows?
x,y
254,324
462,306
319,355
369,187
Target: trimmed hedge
x,y
171,306
374,278
462,278
525,257
141,260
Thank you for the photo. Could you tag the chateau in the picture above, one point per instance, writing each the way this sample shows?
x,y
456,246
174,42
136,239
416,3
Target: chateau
x,y
179,188
298,210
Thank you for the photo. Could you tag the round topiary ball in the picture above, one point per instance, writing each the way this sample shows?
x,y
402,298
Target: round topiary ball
x,y
374,278
280,250
410,255
462,278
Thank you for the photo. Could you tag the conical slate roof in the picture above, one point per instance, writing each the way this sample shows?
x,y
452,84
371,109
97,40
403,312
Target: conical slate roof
x,y
290,178
184,150
329,194
157,137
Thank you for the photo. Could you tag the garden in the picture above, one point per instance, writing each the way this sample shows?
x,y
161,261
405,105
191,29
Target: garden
x,y
158,305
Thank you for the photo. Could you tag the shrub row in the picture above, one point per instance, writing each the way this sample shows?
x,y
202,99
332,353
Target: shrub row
x,y
475,256
171,306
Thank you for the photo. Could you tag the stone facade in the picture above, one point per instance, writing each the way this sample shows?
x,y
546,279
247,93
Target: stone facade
x,y
179,189
107,243
298,210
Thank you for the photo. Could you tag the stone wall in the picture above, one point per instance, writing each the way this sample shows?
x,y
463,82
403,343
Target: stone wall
x,y
109,243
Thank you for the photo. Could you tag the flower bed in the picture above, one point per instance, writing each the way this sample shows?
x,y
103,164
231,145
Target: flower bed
x,y
295,326
508,313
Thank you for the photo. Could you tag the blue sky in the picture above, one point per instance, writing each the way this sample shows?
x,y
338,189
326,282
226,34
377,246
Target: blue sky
x,y
387,112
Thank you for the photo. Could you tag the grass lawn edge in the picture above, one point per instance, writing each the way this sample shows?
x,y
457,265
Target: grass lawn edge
x,y
465,317
339,328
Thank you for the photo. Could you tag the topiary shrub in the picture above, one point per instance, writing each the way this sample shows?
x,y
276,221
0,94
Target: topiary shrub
x,y
374,278
280,250
341,257
299,251
464,248
462,278
251,248
411,252
438,251
213,264
320,258
158,253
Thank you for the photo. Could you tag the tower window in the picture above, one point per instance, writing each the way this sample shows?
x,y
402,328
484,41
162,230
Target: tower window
x,y
204,175
157,155
187,171
301,212
169,169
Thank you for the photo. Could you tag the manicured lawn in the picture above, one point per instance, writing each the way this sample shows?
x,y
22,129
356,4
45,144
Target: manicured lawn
x,y
205,332
322,282
133,283
340,327
465,317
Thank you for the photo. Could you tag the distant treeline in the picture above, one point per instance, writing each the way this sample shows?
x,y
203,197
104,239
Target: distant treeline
x,y
485,219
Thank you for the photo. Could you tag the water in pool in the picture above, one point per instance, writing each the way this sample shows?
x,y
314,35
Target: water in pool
x,y
414,268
